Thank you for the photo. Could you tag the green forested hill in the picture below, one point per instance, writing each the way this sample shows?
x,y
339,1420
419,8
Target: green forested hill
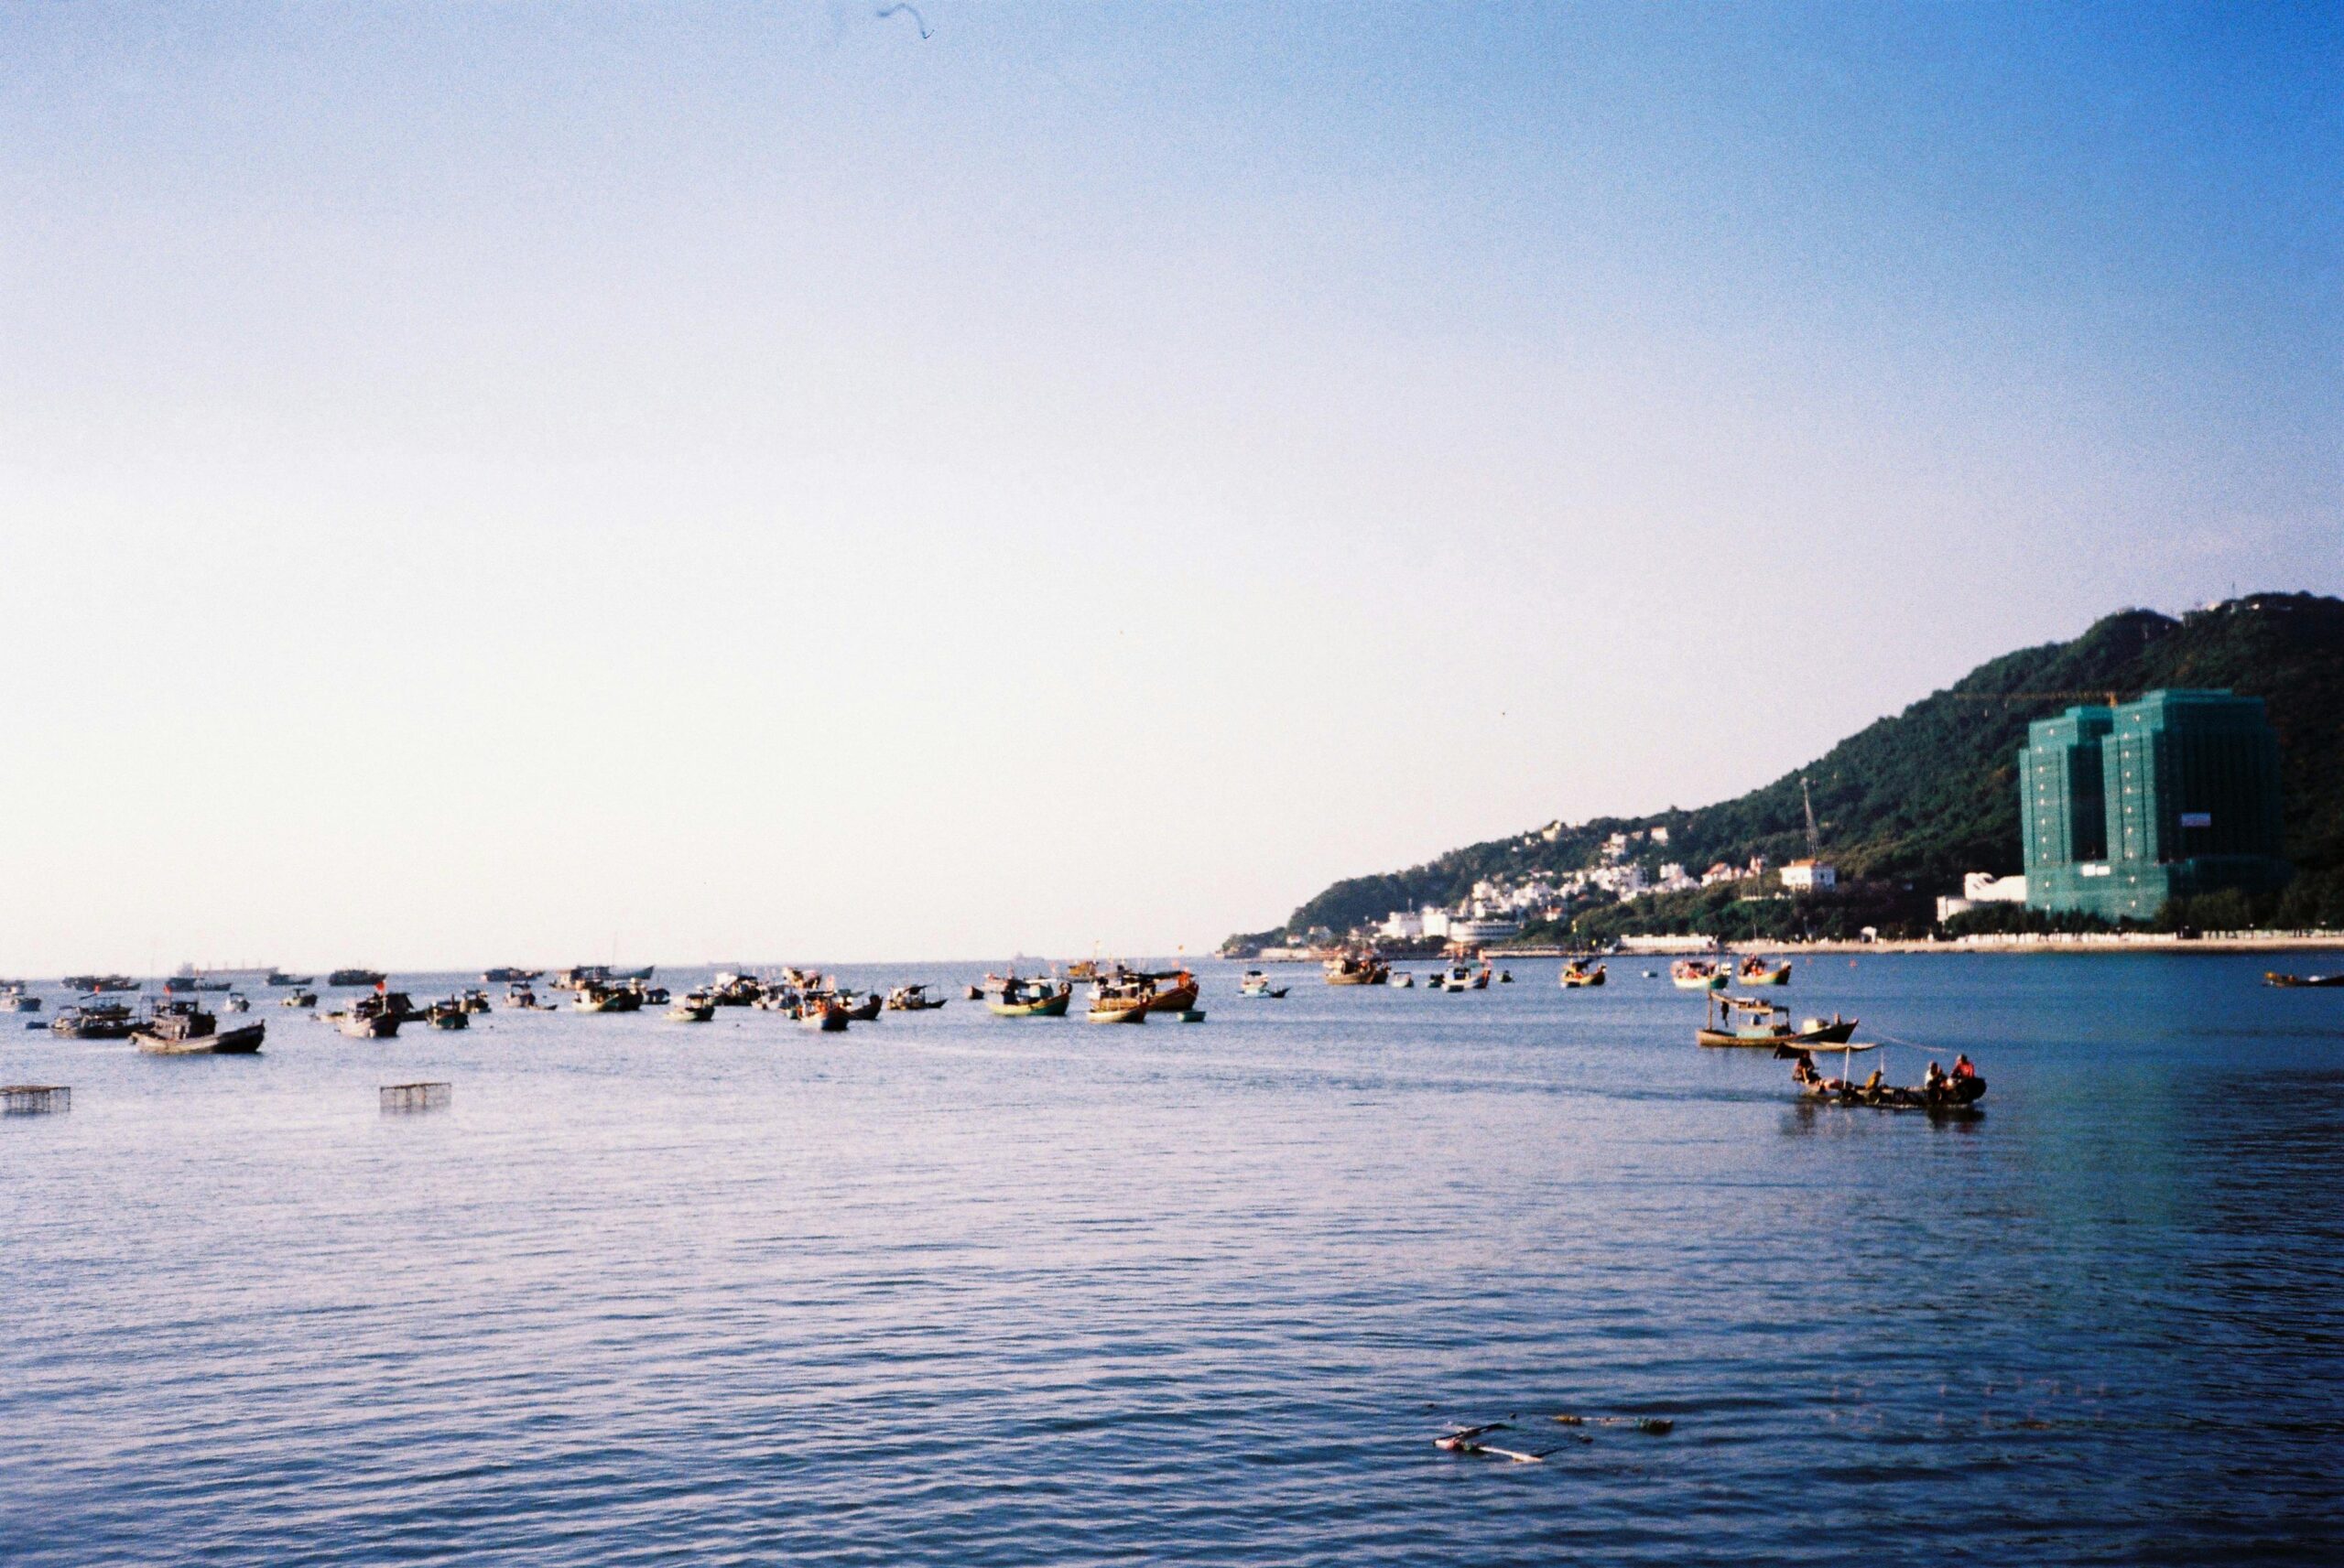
x,y
1931,793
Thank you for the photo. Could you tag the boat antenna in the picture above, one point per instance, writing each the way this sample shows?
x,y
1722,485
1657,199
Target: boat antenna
x,y
1814,840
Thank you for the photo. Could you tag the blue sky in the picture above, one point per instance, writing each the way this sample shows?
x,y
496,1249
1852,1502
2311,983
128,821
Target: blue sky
x,y
745,481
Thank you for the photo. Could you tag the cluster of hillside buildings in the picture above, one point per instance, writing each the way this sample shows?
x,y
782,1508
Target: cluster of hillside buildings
x,y
1500,907
2121,808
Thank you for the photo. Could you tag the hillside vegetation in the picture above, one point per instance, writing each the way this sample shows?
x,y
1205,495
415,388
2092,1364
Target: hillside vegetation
x,y
1914,800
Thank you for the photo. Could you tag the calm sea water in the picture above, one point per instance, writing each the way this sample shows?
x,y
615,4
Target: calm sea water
x,y
955,1289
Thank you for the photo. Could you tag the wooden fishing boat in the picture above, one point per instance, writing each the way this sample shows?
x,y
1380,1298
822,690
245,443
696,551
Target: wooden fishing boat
x,y
1756,971
94,1021
279,979
692,1010
506,977
237,1003
1577,976
1178,997
828,1014
298,998
1356,969
449,1014
594,997
356,978
865,1006
375,1017
1947,1093
14,999
1255,983
177,1035
1030,999
2272,978
914,998
1747,1020
1119,1010
1697,974
89,985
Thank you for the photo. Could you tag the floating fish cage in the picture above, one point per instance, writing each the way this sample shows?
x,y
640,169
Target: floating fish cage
x,y
417,1097
34,1099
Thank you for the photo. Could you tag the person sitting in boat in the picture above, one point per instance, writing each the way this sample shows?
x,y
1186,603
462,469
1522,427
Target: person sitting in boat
x,y
1871,1084
1963,1067
1933,1080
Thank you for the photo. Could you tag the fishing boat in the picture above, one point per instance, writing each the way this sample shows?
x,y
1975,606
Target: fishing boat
x,y
1179,996
1356,968
1401,979
474,999
185,1030
1577,975
1755,971
450,1014
1030,999
366,977
2272,978
90,985
277,979
94,1021
1748,1021
1958,1092
521,999
298,998
235,1004
375,1017
826,1014
1254,982
914,998
14,999
504,977
1698,975
696,1008
1463,976
593,997
1114,1008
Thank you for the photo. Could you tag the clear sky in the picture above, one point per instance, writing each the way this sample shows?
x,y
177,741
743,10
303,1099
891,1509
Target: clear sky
x,y
684,482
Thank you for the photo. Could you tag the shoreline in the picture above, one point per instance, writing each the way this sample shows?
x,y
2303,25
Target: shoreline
x,y
2068,944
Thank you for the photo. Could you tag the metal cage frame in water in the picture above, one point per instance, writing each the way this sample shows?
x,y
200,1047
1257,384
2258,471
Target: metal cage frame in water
x,y
34,1099
417,1097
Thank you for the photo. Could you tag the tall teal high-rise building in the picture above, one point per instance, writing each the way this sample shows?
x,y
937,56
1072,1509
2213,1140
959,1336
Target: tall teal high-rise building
x,y
2121,808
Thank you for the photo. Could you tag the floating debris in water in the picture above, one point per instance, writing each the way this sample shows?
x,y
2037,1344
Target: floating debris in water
x,y
34,1099
1650,1425
417,1097
1466,1439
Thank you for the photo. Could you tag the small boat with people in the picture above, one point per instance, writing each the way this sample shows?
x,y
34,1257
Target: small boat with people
x,y
1254,982
1958,1091
1697,974
696,1007
1028,999
13,997
1754,971
1128,996
235,1002
451,1014
298,998
1577,976
1356,967
914,998
1751,1021
524,999
184,1029
2301,982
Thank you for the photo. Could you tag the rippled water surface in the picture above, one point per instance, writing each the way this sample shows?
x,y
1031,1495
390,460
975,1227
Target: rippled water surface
x,y
955,1289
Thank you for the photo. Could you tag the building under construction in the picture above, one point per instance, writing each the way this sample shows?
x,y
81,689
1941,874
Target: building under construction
x,y
2123,807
